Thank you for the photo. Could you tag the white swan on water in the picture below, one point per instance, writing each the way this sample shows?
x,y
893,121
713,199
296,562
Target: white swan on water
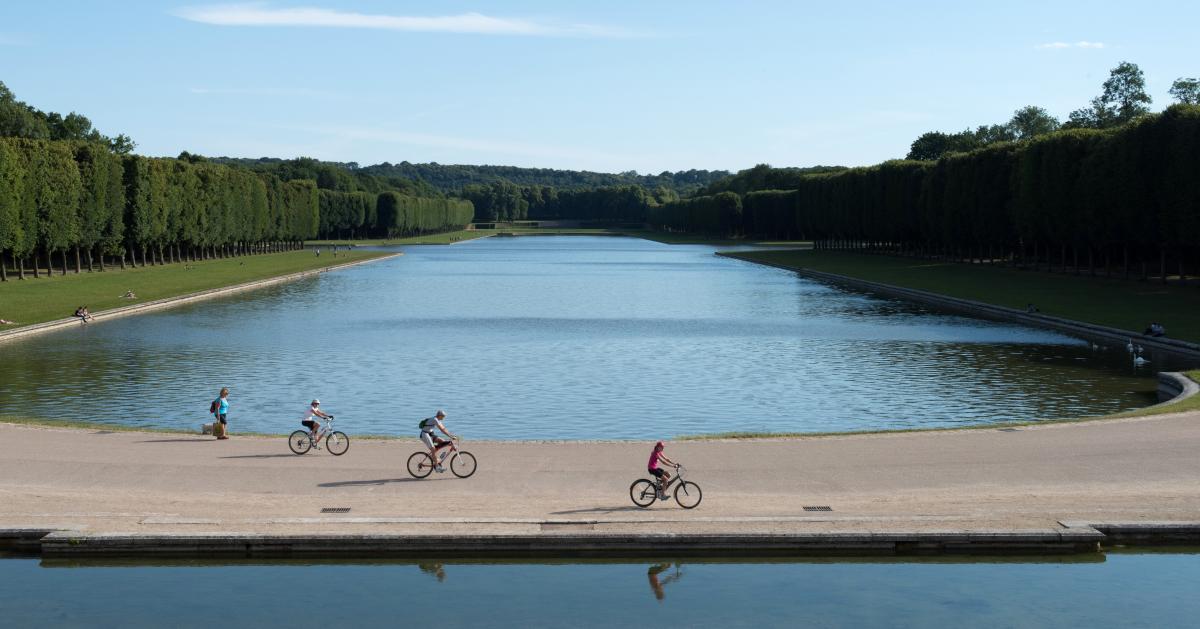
x,y
1139,361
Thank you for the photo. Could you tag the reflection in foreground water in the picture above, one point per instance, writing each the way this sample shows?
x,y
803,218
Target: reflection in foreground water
x,y
565,338
1120,590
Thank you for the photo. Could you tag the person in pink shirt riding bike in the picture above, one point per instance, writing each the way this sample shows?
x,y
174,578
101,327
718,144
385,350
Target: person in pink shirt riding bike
x,y
662,475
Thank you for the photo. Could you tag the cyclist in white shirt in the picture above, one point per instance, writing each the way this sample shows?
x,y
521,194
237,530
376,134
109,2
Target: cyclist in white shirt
x,y
434,443
309,419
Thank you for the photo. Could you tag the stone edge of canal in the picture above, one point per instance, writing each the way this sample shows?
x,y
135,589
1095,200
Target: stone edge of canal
x,y
1072,538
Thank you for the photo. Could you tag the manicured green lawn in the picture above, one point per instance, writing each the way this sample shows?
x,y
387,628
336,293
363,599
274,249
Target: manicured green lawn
x,y
676,238
1125,304
37,300
444,238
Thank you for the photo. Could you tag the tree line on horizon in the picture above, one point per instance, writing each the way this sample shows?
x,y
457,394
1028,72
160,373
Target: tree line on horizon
x,y
68,191
1122,99
79,199
1078,198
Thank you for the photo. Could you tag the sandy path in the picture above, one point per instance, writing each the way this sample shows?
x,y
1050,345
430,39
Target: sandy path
x,y
1125,470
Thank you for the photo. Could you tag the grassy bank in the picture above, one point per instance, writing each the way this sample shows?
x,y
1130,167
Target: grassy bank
x,y
37,300
443,238
680,238
1118,303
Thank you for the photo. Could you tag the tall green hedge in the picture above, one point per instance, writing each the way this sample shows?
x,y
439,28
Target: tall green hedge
x,y
1074,198
400,214
60,200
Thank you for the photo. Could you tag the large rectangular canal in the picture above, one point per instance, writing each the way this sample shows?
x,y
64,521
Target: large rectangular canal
x,y
565,338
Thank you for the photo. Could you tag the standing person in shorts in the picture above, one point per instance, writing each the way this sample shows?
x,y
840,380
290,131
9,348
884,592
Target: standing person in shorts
x,y
662,475
220,413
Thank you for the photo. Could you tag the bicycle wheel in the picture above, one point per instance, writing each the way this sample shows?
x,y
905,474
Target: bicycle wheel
x,y
462,464
299,442
643,493
420,465
337,443
688,494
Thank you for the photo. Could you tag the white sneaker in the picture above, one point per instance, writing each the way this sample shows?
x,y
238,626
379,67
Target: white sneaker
x,y
440,469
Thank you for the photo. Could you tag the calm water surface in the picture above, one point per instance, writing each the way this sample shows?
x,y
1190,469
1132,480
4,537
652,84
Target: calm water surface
x,y
565,337
1122,590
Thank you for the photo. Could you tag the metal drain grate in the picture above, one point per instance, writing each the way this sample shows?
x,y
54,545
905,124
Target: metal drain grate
x,y
819,508
335,510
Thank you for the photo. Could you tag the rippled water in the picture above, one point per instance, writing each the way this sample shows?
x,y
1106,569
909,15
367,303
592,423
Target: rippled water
x,y
564,337
1122,590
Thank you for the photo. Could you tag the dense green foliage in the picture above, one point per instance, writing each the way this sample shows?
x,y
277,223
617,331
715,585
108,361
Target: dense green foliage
x,y
336,176
1123,99
21,120
64,187
764,177
1128,193
402,215
451,178
499,193
502,201
60,196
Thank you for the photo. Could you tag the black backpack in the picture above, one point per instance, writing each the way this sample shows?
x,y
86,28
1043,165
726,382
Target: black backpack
x,y
212,408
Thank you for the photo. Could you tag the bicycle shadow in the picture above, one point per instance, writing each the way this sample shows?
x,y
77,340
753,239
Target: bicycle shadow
x,y
597,510
194,440
260,456
365,483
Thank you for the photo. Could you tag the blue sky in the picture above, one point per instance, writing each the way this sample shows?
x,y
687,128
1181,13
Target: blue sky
x,y
610,86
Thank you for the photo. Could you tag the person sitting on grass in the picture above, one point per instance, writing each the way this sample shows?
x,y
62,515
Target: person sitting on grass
x,y
6,322
128,295
82,313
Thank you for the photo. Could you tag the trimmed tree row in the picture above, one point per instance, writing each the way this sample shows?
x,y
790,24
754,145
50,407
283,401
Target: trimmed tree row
x,y
1125,200
70,205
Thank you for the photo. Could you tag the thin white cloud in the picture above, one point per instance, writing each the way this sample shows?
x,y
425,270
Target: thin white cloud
x,y
465,23
1059,45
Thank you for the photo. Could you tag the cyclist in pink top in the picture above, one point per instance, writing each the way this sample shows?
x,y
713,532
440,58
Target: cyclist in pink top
x,y
662,475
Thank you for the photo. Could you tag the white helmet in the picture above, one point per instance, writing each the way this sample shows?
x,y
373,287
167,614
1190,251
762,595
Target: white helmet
x,y
315,402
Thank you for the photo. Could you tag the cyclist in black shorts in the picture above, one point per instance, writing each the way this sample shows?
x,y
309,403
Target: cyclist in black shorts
x,y
309,419
662,475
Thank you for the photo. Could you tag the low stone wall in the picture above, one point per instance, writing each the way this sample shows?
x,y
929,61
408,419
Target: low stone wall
x,y
1175,387
1184,349
170,302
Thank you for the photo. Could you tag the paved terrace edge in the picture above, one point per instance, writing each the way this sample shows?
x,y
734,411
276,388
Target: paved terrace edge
x,y
170,302
1071,538
990,311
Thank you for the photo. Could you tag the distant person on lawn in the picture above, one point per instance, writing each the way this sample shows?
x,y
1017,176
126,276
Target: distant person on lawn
x,y
82,313
220,411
